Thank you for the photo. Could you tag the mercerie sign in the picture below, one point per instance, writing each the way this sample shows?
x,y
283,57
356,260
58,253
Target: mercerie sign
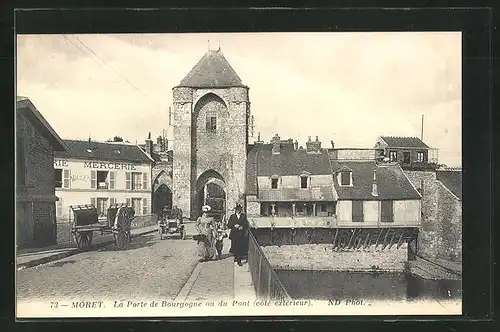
x,y
98,165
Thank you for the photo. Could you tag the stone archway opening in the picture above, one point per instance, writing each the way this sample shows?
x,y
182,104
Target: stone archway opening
x,y
211,190
162,198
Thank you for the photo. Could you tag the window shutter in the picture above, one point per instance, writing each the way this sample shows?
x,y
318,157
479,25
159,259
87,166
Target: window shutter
x,y
66,175
357,211
145,206
129,201
93,179
145,181
128,180
92,202
386,211
112,180
59,208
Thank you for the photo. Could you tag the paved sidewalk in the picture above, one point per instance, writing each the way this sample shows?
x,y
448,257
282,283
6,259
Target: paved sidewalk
x,y
218,280
31,257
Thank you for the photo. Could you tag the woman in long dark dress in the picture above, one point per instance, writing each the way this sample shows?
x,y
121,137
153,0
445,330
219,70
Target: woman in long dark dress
x,y
238,224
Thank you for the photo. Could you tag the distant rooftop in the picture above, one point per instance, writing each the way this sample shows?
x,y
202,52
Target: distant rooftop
x,y
404,142
113,151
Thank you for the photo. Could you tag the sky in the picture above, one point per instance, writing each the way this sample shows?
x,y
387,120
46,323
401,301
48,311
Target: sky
x,y
346,87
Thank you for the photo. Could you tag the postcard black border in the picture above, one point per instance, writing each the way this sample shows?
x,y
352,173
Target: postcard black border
x,y
477,25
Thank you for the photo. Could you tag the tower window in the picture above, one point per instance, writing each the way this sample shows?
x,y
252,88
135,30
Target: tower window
x,y
211,124
274,183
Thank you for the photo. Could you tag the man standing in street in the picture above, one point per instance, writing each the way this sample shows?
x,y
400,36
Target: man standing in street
x,y
238,224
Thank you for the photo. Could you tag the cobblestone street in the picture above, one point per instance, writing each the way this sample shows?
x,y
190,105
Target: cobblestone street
x,y
150,268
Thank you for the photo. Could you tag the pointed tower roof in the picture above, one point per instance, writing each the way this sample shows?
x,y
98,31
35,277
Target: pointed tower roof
x,y
212,71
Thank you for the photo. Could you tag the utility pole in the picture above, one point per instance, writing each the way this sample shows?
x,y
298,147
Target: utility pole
x,y
422,131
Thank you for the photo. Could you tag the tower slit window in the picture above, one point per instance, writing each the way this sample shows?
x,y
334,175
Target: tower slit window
x,y
211,122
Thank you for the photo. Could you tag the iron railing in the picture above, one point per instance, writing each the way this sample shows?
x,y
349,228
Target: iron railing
x,y
265,280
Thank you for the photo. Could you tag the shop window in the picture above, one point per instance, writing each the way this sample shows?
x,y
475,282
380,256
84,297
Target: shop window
x,y
133,181
102,179
322,208
393,155
303,182
387,213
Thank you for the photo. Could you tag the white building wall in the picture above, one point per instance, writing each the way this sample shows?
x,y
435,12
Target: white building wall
x,y
77,181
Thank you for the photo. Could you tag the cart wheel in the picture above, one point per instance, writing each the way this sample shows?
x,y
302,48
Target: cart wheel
x,y
122,239
83,240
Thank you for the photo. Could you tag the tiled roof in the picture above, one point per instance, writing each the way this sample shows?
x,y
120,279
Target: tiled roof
x,y
32,114
212,71
262,162
391,182
451,180
404,142
103,151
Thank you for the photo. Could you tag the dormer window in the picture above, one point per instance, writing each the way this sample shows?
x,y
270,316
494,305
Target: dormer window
x,y
345,178
303,181
274,181
393,155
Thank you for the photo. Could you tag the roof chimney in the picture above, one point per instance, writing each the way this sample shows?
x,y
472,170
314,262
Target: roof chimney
x,y
333,144
313,147
149,145
295,145
308,138
374,185
276,144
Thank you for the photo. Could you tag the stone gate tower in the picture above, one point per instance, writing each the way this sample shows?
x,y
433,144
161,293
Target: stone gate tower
x,y
211,111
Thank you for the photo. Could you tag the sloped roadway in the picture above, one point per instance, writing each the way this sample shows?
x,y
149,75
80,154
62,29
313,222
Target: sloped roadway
x,y
149,268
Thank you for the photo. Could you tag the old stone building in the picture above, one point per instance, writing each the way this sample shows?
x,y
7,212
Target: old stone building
x,y
211,111
440,234
287,181
36,142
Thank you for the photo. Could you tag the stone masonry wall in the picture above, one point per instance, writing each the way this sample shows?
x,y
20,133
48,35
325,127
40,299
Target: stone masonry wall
x,y
39,158
449,239
181,174
441,231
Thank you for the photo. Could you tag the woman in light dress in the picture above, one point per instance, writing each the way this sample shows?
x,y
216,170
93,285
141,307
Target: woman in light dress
x,y
207,235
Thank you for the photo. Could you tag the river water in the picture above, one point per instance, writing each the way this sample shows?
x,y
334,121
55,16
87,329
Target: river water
x,y
325,285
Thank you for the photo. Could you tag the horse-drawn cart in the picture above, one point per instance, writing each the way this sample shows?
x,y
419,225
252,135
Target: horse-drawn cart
x,y
117,222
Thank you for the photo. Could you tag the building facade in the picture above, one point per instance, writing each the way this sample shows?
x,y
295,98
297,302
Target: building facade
x,y
211,111
36,142
102,174
285,181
